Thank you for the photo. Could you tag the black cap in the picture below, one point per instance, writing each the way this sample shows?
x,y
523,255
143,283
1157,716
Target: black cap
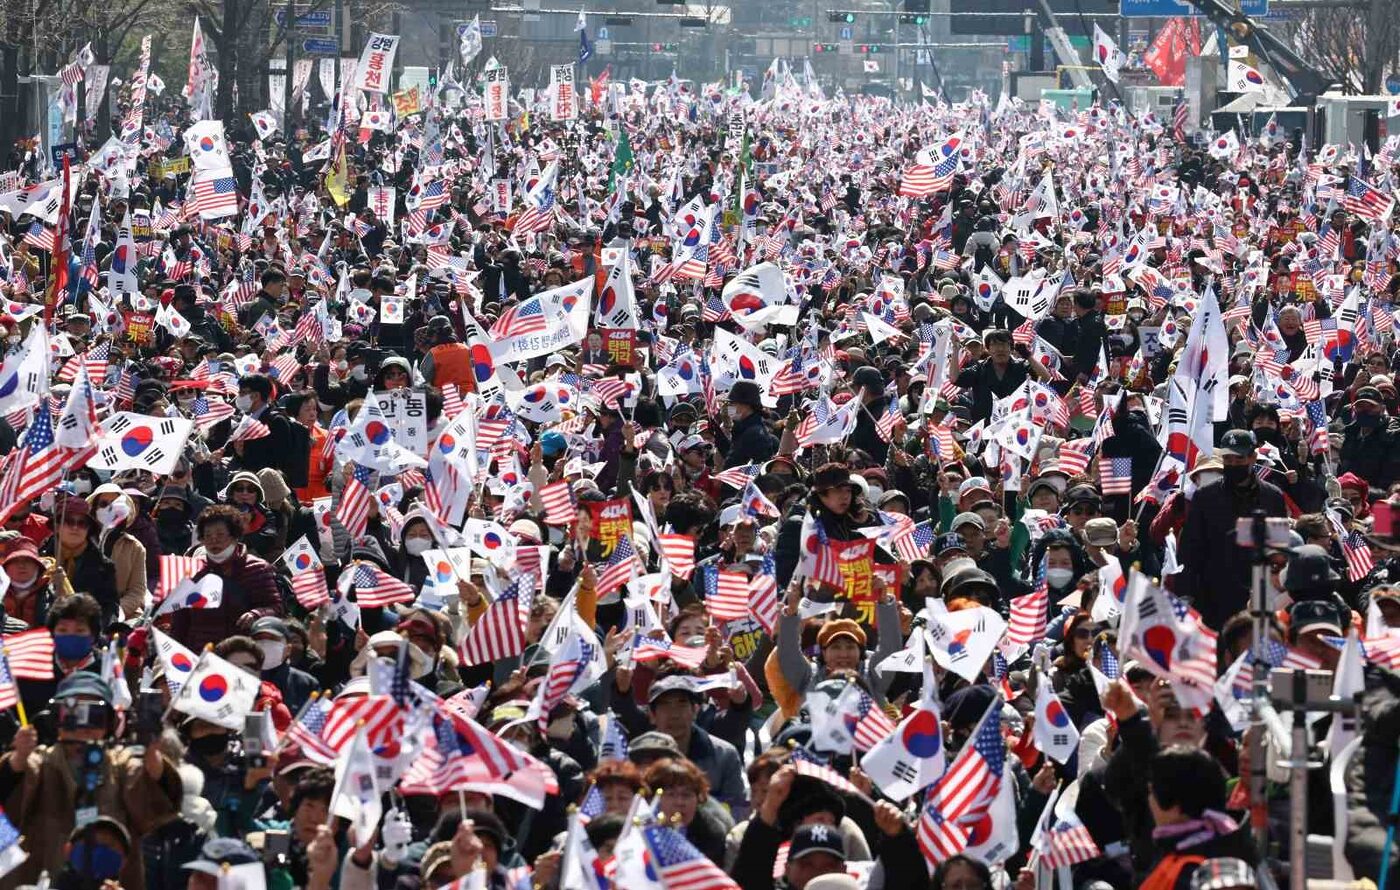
x,y
1238,442
1369,394
867,376
817,838
1317,615
1083,493
948,542
220,851
84,683
1309,568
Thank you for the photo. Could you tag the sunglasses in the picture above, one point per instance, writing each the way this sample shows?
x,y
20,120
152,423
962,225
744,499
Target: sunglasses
x,y
243,489
1083,511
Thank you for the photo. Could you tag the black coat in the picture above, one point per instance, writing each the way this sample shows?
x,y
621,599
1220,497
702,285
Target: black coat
x,y
1090,337
1370,777
866,437
276,450
1216,576
750,442
1373,455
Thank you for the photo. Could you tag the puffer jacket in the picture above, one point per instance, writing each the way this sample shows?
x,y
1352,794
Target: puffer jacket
x,y
249,586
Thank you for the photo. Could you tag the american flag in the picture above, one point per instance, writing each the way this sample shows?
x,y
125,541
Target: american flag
x,y
657,648
1178,120
807,764
309,587
381,715
965,792
1075,455
1067,842
1115,475
1108,660
560,508
714,311
680,865
738,477
563,673
248,429
355,500
1367,201
32,469
763,595
443,767
95,359
500,632
308,729
679,551
9,690
522,318
208,413
30,654
726,593
1030,613
1358,555
885,423
1276,655
376,587
40,237
215,195
914,542
620,568
872,725
174,569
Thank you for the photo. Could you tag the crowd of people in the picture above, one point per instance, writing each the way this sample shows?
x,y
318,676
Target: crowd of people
x,y
718,488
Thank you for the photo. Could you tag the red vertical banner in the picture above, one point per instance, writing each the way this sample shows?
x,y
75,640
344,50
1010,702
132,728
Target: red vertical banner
x,y
1167,54
855,560
58,263
612,521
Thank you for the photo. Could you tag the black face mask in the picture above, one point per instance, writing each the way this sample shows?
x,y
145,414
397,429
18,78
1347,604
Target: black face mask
x,y
1269,434
1368,421
170,519
1137,418
1237,475
209,745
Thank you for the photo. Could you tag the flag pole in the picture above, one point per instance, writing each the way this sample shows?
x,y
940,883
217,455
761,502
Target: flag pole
x,y
19,702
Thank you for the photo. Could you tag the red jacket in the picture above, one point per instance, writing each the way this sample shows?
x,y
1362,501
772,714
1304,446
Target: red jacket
x,y
249,587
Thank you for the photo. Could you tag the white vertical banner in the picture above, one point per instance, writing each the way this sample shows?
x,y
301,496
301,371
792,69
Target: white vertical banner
x,y
376,64
500,196
277,87
381,201
96,78
563,102
301,76
325,74
497,93
347,71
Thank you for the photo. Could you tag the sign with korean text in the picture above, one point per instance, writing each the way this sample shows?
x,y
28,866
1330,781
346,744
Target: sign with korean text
x,y
376,63
500,196
497,93
140,328
381,200
563,102
612,521
855,560
407,102
406,413
619,343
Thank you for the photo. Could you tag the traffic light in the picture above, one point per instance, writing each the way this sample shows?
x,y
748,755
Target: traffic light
x,y
664,47
693,21
617,21
910,18
432,78
841,18
824,47
868,48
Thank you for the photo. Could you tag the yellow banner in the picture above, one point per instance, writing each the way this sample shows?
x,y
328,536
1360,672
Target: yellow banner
x,y
407,102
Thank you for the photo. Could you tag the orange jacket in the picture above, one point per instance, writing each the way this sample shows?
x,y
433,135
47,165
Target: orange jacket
x,y
452,363
318,467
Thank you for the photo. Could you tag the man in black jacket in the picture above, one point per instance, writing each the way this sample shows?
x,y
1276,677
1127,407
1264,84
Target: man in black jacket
x,y
1091,334
1216,579
750,440
274,449
869,387
996,376
1371,445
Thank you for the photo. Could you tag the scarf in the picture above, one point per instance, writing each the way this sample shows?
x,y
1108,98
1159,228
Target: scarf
x,y
1194,832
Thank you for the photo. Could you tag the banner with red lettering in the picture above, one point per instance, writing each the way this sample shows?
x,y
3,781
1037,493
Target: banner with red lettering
x,y
497,94
856,562
563,103
620,344
376,63
612,521
1166,56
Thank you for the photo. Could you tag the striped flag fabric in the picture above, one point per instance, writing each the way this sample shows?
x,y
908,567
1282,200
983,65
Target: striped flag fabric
x,y
807,764
873,725
309,587
1367,201
726,593
1030,614
380,714
248,429
680,865
308,729
620,568
1075,455
355,500
567,666
914,542
657,648
560,506
30,654
738,477
965,792
174,569
9,689
1067,842
679,551
1115,475
375,587
500,631
523,318
1357,554
214,196
763,595
33,468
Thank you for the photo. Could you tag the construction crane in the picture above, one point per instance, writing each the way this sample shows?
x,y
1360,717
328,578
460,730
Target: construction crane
x,y
1304,82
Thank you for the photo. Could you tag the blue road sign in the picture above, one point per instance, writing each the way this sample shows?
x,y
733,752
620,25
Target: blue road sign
x,y
488,28
318,19
1167,8
321,46
1392,84
847,32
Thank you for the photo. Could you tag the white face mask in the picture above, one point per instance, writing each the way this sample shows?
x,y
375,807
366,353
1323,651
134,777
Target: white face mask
x,y
416,546
219,555
243,403
733,411
342,365
274,653
82,488
1058,577
359,373
1206,477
